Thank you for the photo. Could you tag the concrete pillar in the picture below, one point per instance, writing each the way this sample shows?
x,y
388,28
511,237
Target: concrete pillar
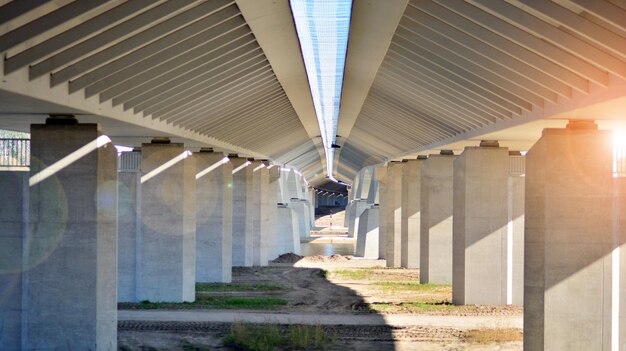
x,y
70,260
357,208
312,204
410,217
480,225
390,180
274,238
13,230
572,243
299,206
436,219
242,212
288,229
515,228
128,225
367,237
168,216
214,220
261,219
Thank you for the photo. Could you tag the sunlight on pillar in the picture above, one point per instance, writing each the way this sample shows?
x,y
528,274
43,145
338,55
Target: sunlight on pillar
x,y
69,159
211,167
242,167
165,166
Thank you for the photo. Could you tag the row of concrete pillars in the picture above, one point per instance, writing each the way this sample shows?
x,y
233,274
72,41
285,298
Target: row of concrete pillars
x,y
182,218
549,235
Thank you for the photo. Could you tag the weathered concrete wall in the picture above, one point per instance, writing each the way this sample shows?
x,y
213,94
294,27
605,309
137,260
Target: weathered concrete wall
x,y
410,216
13,230
71,254
242,213
570,240
436,220
214,201
168,216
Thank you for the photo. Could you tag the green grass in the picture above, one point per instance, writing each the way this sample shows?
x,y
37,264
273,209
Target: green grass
x,y
411,286
355,274
495,335
214,302
270,337
323,273
223,287
187,346
413,306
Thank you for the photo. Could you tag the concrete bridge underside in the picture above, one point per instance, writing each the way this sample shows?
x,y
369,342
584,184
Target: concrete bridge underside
x,y
421,76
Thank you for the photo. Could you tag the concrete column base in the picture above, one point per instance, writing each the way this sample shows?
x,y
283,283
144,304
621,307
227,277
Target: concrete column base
x,y
573,243
214,201
410,217
129,234
70,261
436,220
242,212
288,230
13,229
357,208
480,226
168,217
368,231
261,219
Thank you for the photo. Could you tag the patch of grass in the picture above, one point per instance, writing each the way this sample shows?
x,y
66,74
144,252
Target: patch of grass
x,y
354,274
412,286
412,306
187,346
495,335
323,273
269,337
212,302
224,287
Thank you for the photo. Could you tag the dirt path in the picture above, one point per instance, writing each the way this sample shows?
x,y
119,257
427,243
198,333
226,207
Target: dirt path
x,y
341,300
372,319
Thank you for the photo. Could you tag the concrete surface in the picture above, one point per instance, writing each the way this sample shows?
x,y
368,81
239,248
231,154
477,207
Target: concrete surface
x,y
129,234
71,254
436,220
214,234
410,217
480,226
367,241
168,216
13,228
570,236
261,219
242,212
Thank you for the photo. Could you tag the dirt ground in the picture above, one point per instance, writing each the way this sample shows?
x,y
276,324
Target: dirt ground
x,y
330,291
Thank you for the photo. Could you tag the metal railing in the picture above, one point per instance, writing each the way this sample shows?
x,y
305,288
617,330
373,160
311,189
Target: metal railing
x,y
14,153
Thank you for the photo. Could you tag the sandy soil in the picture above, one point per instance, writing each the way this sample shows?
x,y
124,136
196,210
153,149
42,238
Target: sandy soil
x,y
335,291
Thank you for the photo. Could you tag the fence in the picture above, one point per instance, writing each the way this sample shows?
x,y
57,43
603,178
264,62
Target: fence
x,y
14,154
